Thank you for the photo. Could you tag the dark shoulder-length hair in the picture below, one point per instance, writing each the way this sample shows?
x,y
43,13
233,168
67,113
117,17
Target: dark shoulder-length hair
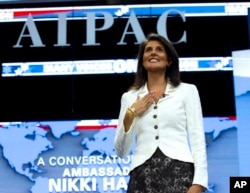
x,y
172,74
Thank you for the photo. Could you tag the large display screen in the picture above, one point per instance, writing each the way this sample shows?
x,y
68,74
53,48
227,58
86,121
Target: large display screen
x,y
78,156
56,133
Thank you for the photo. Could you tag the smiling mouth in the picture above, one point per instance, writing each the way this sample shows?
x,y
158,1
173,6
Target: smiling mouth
x,y
153,60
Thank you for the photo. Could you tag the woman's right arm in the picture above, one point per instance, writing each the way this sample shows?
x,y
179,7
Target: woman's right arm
x,y
132,107
124,133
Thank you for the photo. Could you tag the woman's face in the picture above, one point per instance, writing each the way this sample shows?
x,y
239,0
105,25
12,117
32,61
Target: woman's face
x,y
155,57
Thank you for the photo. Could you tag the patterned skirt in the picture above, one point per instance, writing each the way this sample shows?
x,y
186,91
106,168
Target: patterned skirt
x,y
161,174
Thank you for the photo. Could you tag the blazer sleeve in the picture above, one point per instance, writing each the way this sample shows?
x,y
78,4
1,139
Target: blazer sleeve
x,y
123,140
196,136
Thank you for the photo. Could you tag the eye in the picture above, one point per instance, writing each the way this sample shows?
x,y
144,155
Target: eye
x,y
147,49
160,49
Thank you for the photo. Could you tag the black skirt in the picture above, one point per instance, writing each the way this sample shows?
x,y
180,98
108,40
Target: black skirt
x,y
161,174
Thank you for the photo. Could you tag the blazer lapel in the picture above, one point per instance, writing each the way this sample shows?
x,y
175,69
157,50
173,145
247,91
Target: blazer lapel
x,y
168,92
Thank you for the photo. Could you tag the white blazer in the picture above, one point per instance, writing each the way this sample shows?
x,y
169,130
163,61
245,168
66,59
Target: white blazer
x,y
175,126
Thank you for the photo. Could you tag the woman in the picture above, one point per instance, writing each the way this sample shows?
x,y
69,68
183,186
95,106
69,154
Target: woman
x,y
166,117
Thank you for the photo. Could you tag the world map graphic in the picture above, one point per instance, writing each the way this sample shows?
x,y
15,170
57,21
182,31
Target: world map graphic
x,y
78,156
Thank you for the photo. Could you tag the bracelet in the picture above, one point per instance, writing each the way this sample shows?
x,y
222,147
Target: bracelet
x,y
132,111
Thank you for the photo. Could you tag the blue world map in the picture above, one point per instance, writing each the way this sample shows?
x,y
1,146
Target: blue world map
x,y
78,156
